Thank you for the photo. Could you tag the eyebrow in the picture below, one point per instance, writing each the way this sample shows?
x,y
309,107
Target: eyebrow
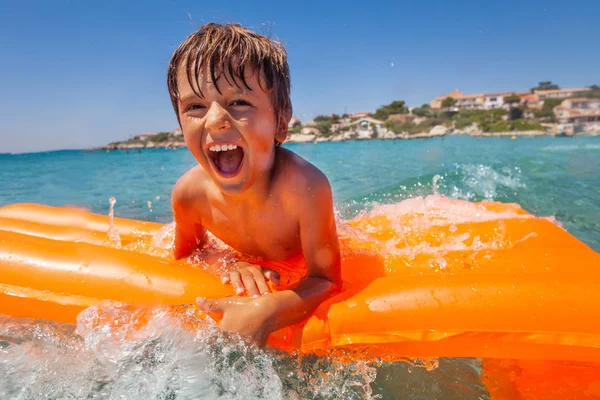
x,y
192,96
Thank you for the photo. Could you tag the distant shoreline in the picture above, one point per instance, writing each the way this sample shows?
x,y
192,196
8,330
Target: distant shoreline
x,y
299,139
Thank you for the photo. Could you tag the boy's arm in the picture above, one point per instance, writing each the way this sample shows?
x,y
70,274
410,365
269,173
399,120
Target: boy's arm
x,y
189,232
321,251
257,318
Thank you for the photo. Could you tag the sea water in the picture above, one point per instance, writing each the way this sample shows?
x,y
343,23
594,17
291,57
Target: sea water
x,y
557,177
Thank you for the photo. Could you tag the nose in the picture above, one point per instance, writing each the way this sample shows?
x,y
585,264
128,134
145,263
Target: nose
x,y
217,118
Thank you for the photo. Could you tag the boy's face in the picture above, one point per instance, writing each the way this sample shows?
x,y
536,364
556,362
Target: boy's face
x,y
231,133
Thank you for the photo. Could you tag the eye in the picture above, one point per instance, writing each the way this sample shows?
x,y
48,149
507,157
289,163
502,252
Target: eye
x,y
240,102
193,107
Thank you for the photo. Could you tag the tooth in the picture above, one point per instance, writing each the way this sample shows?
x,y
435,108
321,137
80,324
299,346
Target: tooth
x,y
233,146
230,147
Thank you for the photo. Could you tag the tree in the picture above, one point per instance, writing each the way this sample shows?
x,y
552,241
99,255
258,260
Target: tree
x,y
374,129
321,118
514,112
448,102
512,99
395,107
546,85
423,111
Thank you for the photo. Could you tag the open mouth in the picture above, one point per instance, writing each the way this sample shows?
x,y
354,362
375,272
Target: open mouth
x,y
226,158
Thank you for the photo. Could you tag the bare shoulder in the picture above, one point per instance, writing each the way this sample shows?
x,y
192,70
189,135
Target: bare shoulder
x,y
303,183
190,190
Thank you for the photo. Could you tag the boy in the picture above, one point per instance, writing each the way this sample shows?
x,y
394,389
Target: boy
x,y
230,90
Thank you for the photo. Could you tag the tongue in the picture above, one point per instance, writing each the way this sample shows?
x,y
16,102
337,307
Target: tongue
x,y
229,161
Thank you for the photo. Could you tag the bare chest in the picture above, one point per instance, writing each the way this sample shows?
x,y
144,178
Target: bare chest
x,y
266,231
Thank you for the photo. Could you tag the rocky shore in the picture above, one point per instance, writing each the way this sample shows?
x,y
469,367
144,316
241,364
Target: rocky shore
x,y
437,131
142,145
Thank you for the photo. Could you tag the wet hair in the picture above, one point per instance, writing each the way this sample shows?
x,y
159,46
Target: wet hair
x,y
229,51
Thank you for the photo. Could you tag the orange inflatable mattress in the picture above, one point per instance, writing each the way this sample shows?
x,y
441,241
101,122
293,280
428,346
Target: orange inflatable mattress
x,y
427,277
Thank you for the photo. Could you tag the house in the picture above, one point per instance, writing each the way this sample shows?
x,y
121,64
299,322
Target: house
x,y
176,132
470,102
294,122
144,136
492,101
531,100
367,127
463,101
310,131
581,115
559,93
360,114
437,102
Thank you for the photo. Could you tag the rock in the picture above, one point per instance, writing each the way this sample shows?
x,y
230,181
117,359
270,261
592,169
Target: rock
x,y
439,130
389,135
301,138
472,130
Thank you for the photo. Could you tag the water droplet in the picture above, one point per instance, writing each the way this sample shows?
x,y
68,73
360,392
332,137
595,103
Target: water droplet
x,y
113,234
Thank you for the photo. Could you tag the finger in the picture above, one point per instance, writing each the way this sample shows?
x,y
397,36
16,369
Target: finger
x,y
210,306
250,283
236,281
271,275
225,278
261,283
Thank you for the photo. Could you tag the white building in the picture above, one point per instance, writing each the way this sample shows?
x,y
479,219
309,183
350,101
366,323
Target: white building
x,y
579,115
367,127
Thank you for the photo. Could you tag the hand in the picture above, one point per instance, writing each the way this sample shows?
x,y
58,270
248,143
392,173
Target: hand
x,y
251,318
250,278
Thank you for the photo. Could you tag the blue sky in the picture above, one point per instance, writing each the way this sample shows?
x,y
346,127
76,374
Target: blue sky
x,y
76,74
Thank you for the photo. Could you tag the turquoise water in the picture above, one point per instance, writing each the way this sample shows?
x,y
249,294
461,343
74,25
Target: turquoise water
x,y
546,176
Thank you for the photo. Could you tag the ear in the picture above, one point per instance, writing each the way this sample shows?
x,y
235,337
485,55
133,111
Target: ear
x,y
282,127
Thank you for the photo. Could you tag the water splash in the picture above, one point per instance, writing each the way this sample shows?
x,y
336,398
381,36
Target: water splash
x,y
423,231
434,182
117,351
113,233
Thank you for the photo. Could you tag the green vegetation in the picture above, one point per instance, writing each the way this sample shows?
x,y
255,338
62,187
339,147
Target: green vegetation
x,y
546,85
546,114
423,111
412,128
323,123
159,137
517,125
395,107
448,102
512,99
483,118
593,93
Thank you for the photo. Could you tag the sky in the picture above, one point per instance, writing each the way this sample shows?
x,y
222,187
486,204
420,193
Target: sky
x,y
78,74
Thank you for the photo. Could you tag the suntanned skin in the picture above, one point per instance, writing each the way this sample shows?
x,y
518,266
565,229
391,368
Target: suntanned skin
x,y
277,206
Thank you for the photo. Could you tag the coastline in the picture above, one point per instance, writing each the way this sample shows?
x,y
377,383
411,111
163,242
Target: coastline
x,y
311,138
